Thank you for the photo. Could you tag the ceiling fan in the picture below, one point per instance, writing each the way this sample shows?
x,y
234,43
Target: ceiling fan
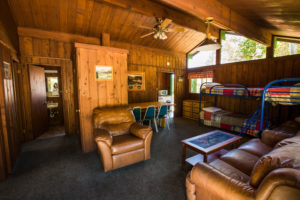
x,y
208,44
161,28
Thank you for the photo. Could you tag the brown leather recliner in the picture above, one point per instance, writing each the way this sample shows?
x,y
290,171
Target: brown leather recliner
x,y
120,140
266,169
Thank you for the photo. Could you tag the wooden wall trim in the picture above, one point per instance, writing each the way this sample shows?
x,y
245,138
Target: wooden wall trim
x,y
59,36
205,68
73,38
97,47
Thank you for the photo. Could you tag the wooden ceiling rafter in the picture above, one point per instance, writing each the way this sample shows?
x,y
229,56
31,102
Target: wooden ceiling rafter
x,y
155,9
223,15
121,19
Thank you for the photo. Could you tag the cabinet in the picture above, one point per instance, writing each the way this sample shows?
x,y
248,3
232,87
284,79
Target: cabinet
x,y
190,108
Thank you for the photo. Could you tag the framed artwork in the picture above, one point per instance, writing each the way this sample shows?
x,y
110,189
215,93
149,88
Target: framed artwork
x,y
180,78
104,73
136,81
7,70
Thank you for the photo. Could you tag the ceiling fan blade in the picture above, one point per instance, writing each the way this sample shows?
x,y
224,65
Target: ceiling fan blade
x,y
146,35
166,22
146,27
176,29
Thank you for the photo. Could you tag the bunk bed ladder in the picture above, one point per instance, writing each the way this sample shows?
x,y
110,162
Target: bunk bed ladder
x,y
251,121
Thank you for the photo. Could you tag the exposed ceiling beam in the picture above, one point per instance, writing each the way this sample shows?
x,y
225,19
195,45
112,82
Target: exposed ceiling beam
x,y
222,15
152,8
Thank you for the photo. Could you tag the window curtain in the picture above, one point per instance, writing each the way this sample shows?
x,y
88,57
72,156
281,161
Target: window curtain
x,y
202,74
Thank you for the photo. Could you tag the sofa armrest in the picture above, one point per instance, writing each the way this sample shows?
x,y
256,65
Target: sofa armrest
x,y
102,135
213,184
283,183
272,137
139,130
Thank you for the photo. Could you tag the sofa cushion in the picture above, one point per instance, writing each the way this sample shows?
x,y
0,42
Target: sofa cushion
x,y
117,120
256,147
126,143
241,160
272,137
284,157
287,141
229,170
117,129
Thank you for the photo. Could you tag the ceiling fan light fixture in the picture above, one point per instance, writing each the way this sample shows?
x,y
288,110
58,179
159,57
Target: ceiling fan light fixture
x,y
208,45
160,35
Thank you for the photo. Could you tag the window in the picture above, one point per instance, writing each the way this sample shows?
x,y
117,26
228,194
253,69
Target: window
x,y
202,58
236,48
286,46
195,84
197,78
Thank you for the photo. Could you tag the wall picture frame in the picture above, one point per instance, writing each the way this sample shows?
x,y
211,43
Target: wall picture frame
x,y
7,70
103,73
136,81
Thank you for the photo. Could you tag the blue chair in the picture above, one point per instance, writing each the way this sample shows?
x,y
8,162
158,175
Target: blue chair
x,y
150,116
163,114
137,112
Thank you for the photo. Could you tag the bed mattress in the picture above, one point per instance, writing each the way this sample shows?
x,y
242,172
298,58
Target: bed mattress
x,y
229,121
256,92
284,95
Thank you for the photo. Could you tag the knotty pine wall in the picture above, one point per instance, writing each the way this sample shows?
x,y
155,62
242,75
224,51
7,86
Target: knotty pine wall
x,y
56,49
10,133
94,93
152,61
253,74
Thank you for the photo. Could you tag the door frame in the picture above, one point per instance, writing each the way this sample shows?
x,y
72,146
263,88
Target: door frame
x,y
67,79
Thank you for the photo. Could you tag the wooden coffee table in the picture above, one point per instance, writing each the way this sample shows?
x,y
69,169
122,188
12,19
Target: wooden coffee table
x,y
206,144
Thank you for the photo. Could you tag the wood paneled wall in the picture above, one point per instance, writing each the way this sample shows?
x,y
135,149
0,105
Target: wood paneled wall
x,y
94,93
55,49
152,61
10,132
47,52
253,74
8,29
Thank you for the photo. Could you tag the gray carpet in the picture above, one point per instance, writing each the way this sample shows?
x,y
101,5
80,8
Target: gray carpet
x,y
57,169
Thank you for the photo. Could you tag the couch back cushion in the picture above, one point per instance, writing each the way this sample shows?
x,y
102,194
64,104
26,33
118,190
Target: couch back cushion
x,y
287,156
117,120
287,141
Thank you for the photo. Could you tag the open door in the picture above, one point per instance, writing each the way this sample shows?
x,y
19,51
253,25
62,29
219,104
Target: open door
x,y
38,100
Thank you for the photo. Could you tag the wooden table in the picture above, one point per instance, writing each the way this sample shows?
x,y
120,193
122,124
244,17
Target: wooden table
x,y
144,105
201,145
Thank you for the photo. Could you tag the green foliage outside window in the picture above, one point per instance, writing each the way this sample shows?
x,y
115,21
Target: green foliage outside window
x,y
193,86
252,50
236,48
285,48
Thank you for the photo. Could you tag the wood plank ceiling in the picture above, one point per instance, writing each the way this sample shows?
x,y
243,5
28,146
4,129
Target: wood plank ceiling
x,y
282,17
91,18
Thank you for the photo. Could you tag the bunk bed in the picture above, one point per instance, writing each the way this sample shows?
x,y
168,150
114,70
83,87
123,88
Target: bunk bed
x,y
228,120
279,94
245,124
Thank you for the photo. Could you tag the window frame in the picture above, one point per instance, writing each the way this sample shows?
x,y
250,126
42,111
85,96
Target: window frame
x,y
284,39
236,34
190,80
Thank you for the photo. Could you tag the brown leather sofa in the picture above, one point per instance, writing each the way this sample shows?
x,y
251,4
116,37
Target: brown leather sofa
x,y
120,140
264,169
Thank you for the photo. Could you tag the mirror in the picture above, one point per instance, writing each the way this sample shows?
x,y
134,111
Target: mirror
x,y
52,87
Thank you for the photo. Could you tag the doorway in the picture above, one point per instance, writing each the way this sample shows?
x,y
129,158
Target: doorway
x,y
166,88
47,104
